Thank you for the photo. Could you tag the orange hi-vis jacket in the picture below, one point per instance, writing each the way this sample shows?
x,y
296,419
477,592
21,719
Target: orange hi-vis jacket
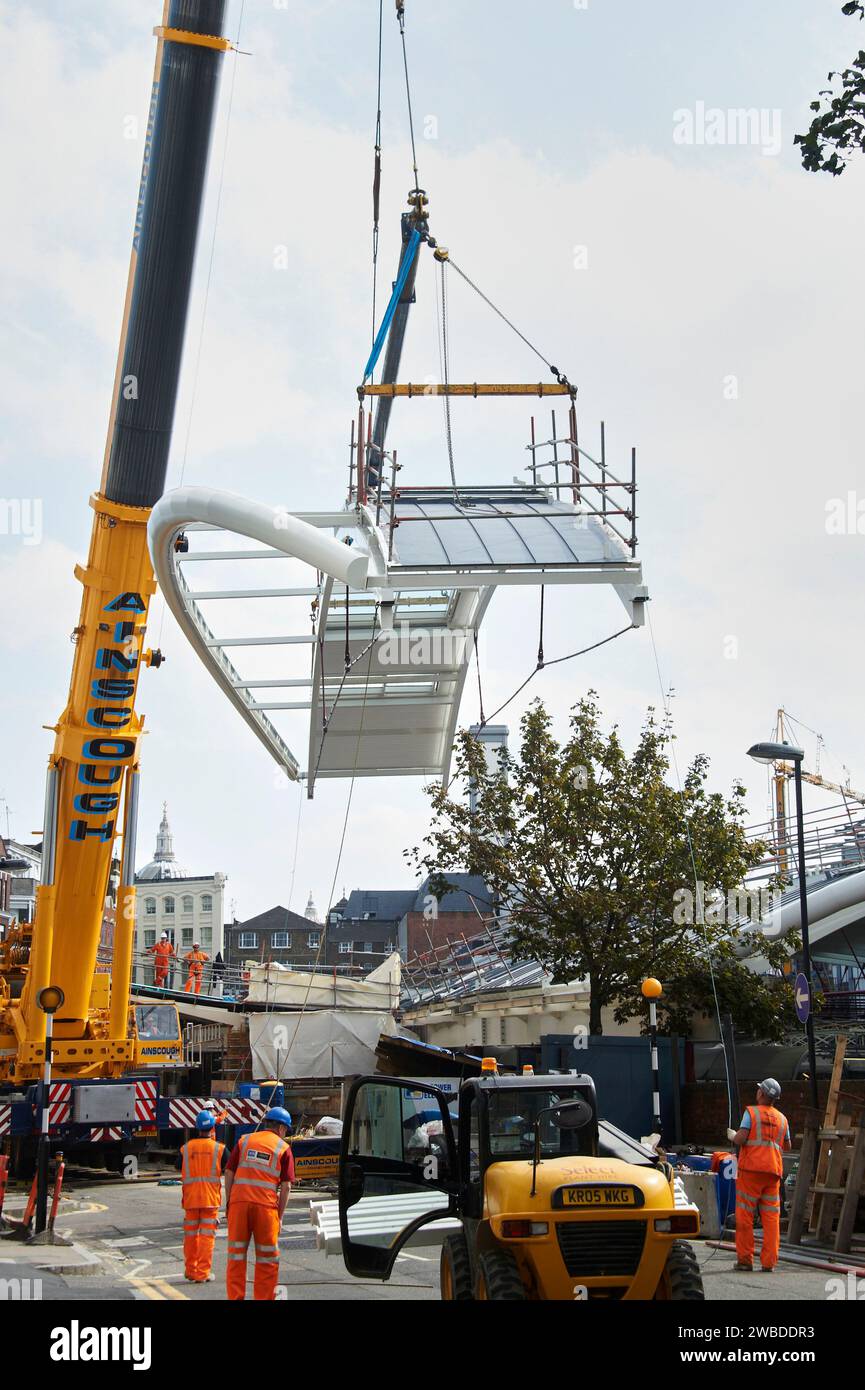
x,y
763,1150
256,1178
196,961
201,1172
163,950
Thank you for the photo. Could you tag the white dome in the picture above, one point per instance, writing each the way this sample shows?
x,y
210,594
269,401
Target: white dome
x,y
159,869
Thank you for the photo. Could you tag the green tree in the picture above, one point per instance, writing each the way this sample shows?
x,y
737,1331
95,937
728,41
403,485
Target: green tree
x,y
588,847
838,128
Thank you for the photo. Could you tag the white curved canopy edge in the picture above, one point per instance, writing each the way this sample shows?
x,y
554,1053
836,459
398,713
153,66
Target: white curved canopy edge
x,y
259,521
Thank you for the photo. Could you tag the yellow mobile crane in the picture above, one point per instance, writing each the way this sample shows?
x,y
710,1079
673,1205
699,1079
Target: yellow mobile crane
x,y
92,784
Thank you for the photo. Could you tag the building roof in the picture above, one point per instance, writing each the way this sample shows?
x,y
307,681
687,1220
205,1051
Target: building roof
x,y
385,904
470,894
275,919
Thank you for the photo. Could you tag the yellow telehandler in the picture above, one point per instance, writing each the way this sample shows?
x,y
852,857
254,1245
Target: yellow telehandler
x,y
534,1210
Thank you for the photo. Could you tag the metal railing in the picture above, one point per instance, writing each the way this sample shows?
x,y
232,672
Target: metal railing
x,y
229,982
467,965
834,842
592,485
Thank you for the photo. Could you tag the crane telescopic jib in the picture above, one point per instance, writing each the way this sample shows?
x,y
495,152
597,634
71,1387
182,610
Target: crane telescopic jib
x,y
91,792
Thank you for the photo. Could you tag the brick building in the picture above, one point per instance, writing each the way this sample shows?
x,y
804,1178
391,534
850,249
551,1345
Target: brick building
x,y
459,913
277,935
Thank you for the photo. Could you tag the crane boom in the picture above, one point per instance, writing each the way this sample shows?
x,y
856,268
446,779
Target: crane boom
x,y
91,794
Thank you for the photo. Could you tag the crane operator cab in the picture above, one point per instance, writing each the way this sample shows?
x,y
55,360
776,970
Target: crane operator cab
x,y
525,1205
156,1030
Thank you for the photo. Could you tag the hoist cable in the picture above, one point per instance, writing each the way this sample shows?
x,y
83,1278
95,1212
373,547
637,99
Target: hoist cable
x,y
376,178
196,372
323,933
326,717
400,14
668,716
445,361
560,377
541,666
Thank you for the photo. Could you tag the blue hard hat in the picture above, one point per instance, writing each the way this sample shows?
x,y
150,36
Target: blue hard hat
x,y
204,1120
278,1116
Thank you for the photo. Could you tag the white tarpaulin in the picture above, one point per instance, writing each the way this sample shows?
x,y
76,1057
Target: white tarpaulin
x,y
330,1042
274,984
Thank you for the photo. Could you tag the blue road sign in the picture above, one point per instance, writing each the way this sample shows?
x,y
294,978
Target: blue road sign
x,y
802,998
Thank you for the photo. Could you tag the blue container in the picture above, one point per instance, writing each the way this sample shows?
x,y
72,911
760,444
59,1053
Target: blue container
x,y
269,1093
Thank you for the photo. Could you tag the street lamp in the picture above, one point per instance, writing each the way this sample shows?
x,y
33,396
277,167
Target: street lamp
x,y
779,753
652,990
49,1000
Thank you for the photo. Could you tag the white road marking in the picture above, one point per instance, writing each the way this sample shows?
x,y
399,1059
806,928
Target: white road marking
x,y
122,1242
424,1259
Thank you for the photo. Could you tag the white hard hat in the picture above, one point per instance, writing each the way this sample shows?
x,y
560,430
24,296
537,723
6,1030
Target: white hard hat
x,y
771,1088
164,936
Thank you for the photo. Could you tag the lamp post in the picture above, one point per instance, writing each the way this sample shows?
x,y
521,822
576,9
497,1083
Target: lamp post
x,y
779,753
49,1000
652,990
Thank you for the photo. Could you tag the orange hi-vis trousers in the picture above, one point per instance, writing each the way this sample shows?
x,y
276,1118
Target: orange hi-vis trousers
x,y
199,1233
758,1191
252,1221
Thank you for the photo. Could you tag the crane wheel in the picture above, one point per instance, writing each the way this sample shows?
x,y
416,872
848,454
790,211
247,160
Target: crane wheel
x,y
682,1279
499,1277
456,1269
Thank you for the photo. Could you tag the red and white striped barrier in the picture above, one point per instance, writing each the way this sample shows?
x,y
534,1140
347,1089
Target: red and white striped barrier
x,y
104,1134
145,1101
5,1120
184,1110
59,1103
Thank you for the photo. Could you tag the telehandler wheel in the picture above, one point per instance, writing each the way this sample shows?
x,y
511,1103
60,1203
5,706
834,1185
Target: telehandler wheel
x,y
456,1269
498,1277
681,1278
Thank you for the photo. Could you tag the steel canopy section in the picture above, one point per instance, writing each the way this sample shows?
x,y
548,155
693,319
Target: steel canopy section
x,y
398,599
506,527
394,711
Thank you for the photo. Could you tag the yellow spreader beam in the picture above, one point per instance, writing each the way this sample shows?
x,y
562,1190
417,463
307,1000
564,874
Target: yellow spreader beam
x,y
472,388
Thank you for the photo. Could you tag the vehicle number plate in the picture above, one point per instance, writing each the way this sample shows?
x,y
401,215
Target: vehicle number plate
x,y
597,1195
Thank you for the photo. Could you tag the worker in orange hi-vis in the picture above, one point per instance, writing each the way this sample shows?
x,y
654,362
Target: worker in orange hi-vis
x,y
164,951
258,1181
196,959
760,1142
202,1162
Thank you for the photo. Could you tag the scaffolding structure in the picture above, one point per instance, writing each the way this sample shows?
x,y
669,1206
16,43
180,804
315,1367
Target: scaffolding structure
x,y
465,965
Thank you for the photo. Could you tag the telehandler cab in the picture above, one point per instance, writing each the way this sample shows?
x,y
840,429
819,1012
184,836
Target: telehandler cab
x,y
537,1212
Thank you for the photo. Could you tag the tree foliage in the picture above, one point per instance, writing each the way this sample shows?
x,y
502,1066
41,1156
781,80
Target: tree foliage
x,y
838,127
589,849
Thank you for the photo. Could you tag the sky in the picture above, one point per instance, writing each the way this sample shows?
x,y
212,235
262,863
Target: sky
x,y
705,297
